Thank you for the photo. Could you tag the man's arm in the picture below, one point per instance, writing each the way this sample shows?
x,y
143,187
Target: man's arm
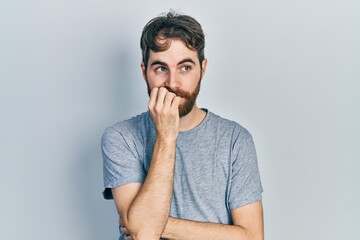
x,y
145,207
248,225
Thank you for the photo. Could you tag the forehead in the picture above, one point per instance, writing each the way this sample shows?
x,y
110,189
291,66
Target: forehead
x,y
176,53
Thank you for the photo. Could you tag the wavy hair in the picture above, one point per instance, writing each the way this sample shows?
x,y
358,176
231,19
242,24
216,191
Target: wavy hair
x,y
169,26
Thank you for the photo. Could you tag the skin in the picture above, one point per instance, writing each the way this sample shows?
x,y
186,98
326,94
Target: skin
x,y
177,68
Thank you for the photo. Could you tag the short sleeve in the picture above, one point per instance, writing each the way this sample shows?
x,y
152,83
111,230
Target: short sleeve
x,y
121,160
246,185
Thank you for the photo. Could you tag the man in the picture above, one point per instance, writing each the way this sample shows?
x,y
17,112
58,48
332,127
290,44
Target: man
x,y
178,171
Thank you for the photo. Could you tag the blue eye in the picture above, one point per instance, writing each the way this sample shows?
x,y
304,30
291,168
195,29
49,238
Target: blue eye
x,y
186,68
161,69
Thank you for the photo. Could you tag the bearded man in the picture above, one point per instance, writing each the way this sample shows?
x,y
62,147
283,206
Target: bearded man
x,y
179,171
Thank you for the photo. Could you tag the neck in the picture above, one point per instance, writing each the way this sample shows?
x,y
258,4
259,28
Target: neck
x,y
192,119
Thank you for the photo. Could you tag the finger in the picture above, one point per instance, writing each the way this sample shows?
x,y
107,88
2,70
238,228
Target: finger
x,y
169,99
128,237
161,95
160,99
176,102
125,230
153,97
121,222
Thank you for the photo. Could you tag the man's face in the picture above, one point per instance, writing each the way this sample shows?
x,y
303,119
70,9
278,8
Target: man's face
x,y
178,70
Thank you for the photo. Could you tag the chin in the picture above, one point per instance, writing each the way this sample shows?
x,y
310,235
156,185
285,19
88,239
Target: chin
x,y
185,109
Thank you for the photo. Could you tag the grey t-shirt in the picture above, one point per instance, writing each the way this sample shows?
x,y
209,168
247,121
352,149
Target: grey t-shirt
x,y
216,167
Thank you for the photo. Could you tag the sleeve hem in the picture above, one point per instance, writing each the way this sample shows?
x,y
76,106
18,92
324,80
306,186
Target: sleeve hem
x,y
107,194
254,198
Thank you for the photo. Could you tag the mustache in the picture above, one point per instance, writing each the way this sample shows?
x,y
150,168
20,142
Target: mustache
x,y
179,93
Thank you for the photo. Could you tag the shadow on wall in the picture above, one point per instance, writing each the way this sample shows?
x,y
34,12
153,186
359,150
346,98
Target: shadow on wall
x,y
98,215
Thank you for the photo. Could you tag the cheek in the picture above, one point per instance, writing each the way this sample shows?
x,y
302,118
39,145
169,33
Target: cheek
x,y
155,80
190,81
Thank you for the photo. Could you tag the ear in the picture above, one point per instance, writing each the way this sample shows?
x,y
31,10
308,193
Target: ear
x,y
143,70
203,67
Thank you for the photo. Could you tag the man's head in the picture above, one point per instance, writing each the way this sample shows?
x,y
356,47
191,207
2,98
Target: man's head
x,y
172,26
173,56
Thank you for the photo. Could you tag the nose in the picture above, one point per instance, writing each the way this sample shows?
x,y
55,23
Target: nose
x,y
172,80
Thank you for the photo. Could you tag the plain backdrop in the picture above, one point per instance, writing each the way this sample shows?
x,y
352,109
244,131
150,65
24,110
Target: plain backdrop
x,y
287,70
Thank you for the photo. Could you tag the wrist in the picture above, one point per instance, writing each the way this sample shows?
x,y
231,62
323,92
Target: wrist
x,y
167,139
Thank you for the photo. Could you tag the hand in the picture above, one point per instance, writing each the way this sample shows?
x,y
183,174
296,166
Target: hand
x,y
124,230
164,109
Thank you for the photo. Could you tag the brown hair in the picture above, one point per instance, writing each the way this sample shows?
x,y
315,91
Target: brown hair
x,y
168,26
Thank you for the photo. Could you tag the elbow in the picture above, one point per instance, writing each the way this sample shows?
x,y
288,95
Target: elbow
x,y
144,237
255,236
142,233
140,229
247,234
138,233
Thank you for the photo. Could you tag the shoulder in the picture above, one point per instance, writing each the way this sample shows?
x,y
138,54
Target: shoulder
x,y
126,129
228,126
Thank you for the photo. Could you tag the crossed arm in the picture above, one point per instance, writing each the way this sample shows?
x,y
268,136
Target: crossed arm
x,y
248,222
242,228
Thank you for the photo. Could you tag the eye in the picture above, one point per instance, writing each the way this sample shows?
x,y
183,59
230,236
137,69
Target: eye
x,y
186,68
160,69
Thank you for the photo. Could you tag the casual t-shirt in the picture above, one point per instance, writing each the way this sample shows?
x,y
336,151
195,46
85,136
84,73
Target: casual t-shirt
x,y
216,167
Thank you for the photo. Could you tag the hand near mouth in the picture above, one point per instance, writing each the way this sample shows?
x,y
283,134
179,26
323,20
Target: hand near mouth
x,y
164,108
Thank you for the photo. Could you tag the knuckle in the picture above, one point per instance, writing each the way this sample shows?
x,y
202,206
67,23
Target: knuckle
x,y
162,90
151,107
157,108
171,94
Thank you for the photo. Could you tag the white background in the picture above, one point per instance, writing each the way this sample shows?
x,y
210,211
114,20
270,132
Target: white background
x,y
289,71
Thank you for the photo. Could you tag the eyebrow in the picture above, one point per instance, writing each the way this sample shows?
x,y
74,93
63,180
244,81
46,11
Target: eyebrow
x,y
186,60
158,62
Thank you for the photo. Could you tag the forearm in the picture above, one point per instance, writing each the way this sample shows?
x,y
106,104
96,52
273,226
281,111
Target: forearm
x,y
148,213
185,230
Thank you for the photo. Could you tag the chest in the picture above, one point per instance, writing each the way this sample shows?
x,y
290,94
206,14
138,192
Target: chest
x,y
202,179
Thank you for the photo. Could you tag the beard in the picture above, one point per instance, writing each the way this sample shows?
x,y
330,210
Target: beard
x,y
189,98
